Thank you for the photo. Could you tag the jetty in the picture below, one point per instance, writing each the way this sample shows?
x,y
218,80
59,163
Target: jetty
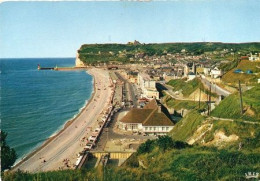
x,y
61,68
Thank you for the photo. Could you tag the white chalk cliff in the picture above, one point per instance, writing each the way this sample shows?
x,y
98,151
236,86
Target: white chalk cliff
x,y
78,62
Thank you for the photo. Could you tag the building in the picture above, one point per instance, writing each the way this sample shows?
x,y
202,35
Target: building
x,y
189,67
206,71
168,77
148,86
216,73
153,119
255,57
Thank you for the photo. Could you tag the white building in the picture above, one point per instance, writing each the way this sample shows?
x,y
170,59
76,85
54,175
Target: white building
x,y
150,120
148,86
254,57
216,73
206,71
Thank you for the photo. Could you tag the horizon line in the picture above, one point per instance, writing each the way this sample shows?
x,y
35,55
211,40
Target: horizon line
x,y
174,42
32,57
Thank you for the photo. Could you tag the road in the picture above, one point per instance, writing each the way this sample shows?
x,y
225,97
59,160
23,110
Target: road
x,y
129,90
215,88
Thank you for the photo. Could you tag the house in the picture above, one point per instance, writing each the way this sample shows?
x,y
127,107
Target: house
x,y
167,77
153,119
216,73
255,57
148,86
167,69
244,57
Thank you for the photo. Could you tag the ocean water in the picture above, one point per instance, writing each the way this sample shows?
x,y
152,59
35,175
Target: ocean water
x,y
36,104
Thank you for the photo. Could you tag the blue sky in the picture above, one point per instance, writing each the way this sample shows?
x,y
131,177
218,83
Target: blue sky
x,y
58,29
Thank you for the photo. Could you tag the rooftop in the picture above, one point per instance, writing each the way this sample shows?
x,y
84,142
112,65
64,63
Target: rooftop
x,y
152,114
145,76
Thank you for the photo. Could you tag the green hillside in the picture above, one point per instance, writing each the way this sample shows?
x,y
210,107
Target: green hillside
x,y
186,87
177,162
92,53
248,135
167,159
179,104
187,126
230,106
244,65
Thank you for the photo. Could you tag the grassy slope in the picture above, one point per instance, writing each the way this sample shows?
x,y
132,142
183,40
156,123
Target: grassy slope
x,y
186,87
187,126
248,65
177,104
190,163
244,65
230,106
249,134
196,163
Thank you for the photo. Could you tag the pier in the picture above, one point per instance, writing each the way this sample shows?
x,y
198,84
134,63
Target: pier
x,y
61,68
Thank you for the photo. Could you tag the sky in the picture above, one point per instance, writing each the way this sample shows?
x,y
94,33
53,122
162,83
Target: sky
x,y
58,29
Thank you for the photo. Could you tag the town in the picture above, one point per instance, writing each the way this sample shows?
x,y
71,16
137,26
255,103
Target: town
x,y
145,85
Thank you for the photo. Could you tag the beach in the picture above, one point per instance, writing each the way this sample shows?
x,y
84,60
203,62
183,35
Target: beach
x,y
67,144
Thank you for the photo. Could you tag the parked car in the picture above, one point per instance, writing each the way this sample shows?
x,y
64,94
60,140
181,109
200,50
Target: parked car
x,y
92,138
88,146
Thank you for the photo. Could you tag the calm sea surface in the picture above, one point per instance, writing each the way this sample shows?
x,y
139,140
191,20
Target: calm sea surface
x,y
36,104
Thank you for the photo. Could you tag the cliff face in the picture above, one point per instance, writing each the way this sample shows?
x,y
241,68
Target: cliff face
x,y
78,62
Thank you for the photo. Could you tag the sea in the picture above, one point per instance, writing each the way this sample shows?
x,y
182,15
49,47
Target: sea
x,y
35,104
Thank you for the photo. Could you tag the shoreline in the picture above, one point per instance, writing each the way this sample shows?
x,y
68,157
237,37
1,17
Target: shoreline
x,y
65,126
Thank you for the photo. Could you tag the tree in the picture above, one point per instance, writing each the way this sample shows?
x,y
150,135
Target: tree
x,y
165,142
146,147
8,155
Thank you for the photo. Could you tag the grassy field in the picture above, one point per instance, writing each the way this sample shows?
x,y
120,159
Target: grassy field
x,y
230,106
244,65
